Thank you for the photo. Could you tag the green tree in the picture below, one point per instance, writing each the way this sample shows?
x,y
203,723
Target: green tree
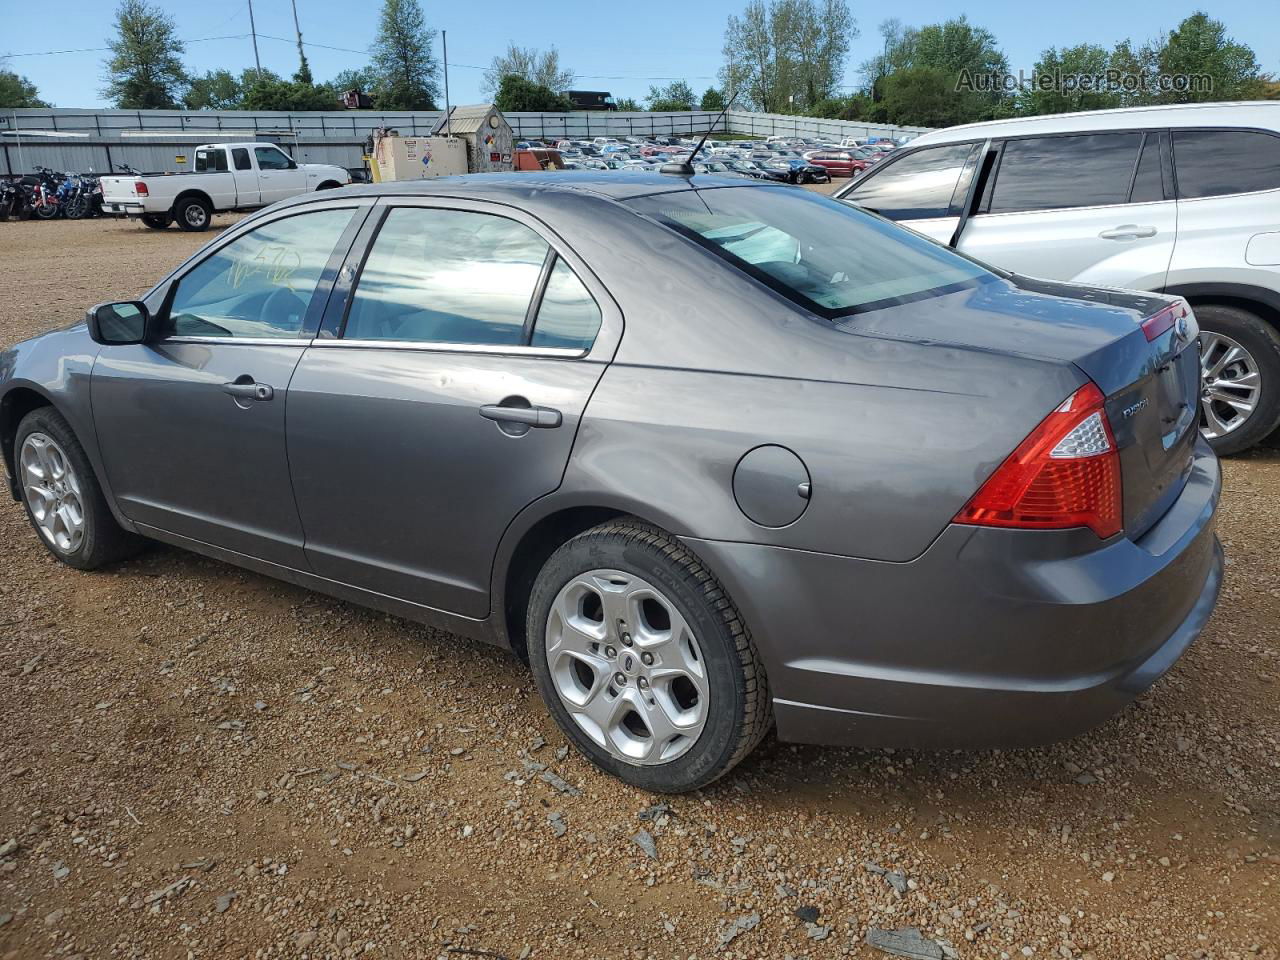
x,y
273,93
518,95
538,67
629,105
1199,46
713,99
1063,81
401,54
676,95
364,79
214,90
17,92
145,70
924,96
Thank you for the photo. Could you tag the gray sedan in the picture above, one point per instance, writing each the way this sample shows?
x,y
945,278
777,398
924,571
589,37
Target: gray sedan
x,y
712,455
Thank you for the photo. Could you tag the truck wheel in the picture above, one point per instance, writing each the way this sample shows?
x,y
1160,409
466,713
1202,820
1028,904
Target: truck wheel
x,y
1240,367
193,214
157,221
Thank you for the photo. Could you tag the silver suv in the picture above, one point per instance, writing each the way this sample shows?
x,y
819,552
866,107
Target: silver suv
x,y
1175,199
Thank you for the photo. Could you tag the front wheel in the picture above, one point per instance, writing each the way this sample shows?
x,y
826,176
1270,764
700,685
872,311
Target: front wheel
x,y
193,214
1240,371
157,221
643,660
47,211
64,503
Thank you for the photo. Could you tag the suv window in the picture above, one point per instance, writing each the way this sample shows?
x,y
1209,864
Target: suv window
x,y
270,158
1213,163
260,284
917,186
1148,180
1052,173
241,157
447,276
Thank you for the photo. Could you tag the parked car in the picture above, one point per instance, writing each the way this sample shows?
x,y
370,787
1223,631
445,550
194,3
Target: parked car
x,y
839,163
799,170
538,158
1011,539
226,176
1174,199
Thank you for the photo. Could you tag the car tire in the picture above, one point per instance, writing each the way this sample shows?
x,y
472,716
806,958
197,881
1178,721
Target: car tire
x,y
1261,340
63,485
193,214
709,675
157,221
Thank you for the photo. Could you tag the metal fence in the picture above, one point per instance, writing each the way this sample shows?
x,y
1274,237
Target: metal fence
x,y
154,140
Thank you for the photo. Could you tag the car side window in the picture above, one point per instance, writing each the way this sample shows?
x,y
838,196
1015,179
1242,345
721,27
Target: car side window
x,y
241,157
261,283
1214,163
269,158
1053,173
917,186
568,315
447,276
211,160
1148,181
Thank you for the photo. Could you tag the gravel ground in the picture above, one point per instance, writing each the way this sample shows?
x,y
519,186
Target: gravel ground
x,y
201,762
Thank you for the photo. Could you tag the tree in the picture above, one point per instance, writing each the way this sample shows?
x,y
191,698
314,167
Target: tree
x,y
269,92
214,90
713,99
365,79
17,92
540,68
788,55
629,105
145,70
923,96
676,95
518,95
1200,47
1063,81
401,54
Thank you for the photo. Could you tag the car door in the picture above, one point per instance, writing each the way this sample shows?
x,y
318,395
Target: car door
x,y
923,189
191,425
248,189
445,401
1085,207
278,176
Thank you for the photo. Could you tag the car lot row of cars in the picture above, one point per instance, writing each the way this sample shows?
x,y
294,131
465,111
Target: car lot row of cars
x,y
786,159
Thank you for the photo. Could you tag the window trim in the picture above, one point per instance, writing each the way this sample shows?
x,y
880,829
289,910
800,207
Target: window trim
x,y
1173,160
333,323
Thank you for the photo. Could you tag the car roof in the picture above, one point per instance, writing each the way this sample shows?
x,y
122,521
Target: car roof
x,y
1263,114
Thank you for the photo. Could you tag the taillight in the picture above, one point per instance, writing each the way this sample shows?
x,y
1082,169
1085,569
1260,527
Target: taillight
x,y
1065,474
1162,322
141,190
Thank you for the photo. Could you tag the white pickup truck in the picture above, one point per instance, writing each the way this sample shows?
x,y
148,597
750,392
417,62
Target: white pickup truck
x,y
226,176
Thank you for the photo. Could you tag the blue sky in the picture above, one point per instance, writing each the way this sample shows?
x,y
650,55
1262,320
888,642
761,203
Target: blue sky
x,y
615,46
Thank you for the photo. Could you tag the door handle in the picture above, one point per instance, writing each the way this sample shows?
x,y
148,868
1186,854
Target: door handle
x,y
242,390
1127,231
543,417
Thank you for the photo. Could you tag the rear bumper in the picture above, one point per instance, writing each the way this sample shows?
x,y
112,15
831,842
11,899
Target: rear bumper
x,y
123,208
990,638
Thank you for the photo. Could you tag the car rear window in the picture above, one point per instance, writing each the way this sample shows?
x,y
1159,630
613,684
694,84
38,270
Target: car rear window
x,y
829,257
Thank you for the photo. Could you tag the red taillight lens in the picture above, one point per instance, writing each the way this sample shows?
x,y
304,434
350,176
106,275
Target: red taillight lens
x,y
1065,474
141,190
1162,322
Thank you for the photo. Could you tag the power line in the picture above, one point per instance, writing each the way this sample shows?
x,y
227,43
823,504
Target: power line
x,y
51,53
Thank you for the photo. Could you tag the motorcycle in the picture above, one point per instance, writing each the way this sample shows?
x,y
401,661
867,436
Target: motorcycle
x,y
82,199
15,200
44,193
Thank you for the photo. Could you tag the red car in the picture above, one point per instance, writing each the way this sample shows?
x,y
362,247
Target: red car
x,y
839,163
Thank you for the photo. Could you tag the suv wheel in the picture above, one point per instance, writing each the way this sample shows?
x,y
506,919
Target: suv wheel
x,y
643,660
61,494
1240,367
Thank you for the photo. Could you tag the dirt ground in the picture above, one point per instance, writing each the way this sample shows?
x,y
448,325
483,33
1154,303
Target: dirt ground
x,y
201,762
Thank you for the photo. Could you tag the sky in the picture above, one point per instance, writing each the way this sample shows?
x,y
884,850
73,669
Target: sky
x,y
615,46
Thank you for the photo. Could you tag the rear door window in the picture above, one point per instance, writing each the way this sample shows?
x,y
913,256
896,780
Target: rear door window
x,y
1148,182
241,157
917,186
1214,163
1053,173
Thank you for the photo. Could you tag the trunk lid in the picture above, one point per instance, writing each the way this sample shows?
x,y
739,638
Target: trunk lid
x,y
1151,387
119,189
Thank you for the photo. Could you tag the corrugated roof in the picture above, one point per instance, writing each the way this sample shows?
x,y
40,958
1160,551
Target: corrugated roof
x,y
465,119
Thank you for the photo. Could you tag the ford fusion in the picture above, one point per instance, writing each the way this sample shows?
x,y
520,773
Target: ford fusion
x,y
712,455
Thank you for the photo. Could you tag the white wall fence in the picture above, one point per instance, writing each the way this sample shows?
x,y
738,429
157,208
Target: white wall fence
x,y
73,139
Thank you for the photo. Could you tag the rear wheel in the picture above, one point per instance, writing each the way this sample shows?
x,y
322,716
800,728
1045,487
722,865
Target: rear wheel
x,y
64,503
1240,369
157,221
643,660
193,214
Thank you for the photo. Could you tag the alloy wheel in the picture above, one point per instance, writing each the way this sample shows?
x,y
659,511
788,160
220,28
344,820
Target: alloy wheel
x,y
195,215
52,491
1231,385
626,666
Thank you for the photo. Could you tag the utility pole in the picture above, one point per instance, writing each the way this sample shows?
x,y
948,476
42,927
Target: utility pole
x,y
254,30
298,31
444,50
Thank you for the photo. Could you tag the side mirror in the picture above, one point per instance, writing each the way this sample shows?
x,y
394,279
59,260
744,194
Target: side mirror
x,y
116,324
293,164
